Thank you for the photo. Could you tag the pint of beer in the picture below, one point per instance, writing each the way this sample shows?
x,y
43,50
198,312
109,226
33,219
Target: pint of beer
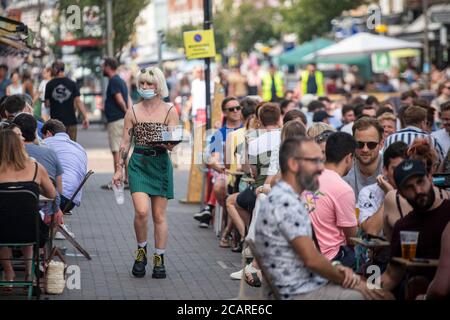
x,y
357,214
409,244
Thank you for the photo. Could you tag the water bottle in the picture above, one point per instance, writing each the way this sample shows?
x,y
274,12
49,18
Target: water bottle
x,y
118,192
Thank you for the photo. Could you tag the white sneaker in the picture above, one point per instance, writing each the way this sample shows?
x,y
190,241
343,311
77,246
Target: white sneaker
x,y
238,274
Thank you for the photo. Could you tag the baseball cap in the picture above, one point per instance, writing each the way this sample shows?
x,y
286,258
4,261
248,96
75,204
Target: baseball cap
x,y
320,115
408,168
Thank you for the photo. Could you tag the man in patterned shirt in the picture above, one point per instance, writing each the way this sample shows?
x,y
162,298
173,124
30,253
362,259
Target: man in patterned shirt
x,y
284,234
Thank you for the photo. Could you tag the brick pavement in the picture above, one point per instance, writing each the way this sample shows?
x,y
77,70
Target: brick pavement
x,y
195,264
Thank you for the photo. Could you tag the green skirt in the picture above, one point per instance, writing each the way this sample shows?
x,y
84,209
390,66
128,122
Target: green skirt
x,y
151,174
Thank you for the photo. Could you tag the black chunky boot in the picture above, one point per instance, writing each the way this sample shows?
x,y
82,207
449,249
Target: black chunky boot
x,y
159,271
140,262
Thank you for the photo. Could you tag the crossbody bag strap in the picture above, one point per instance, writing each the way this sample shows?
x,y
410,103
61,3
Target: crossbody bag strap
x,y
399,207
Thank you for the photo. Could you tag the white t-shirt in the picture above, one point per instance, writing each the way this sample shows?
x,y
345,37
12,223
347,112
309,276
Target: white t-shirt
x,y
261,148
348,128
274,166
15,90
443,137
370,200
41,89
198,95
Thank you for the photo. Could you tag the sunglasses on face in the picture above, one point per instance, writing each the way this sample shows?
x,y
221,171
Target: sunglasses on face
x,y
371,145
232,109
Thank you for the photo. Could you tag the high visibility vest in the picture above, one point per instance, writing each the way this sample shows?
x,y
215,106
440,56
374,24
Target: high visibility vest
x,y
319,82
267,86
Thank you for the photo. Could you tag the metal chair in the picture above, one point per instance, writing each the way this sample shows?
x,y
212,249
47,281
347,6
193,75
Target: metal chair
x,y
19,227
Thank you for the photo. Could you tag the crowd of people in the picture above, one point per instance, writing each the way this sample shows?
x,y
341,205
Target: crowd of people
x,y
302,178
45,145
299,173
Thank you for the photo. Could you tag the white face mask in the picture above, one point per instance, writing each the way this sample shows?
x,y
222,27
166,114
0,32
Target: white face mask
x,y
147,93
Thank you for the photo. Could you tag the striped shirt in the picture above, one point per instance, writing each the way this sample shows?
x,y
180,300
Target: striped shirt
x,y
409,134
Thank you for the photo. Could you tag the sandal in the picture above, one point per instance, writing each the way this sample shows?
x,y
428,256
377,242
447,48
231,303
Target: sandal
x,y
224,243
254,281
239,247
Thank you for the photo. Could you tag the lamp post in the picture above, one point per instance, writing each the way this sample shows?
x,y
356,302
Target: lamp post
x,y
109,29
207,18
426,46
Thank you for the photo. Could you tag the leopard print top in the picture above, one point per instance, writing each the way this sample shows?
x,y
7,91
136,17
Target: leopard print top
x,y
147,132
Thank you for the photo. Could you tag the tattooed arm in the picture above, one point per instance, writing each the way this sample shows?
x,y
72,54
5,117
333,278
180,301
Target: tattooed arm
x,y
126,138
124,146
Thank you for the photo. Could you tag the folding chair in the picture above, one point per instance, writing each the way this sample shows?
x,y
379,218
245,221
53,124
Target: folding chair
x,y
65,210
19,227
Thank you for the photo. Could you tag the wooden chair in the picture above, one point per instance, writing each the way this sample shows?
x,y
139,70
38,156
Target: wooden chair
x,y
65,210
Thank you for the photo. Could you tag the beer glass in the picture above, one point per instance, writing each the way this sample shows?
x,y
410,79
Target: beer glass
x,y
409,244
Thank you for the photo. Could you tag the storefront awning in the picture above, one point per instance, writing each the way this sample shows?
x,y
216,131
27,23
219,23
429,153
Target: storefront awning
x,y
16,40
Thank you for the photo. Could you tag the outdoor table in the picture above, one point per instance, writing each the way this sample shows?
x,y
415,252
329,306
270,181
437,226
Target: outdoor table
x,y
413,268
372,243
416,264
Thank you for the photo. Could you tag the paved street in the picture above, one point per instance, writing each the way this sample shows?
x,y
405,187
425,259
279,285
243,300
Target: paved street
x,y
197,268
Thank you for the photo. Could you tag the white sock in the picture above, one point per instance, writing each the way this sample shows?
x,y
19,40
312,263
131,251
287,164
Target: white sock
x,y
142,244
160,251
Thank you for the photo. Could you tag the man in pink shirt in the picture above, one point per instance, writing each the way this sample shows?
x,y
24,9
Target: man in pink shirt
x,y
332,207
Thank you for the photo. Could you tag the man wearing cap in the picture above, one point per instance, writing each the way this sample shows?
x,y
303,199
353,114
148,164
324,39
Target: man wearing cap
x,y
429,217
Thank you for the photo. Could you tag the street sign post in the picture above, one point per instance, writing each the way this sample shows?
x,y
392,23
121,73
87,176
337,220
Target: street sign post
x,y
199,44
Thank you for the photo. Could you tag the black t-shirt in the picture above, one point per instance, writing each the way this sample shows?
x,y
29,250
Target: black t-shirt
x,y
62,93
430,224
112,111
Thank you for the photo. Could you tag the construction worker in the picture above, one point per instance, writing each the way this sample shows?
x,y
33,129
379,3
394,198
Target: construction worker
x,y
312,81
272,85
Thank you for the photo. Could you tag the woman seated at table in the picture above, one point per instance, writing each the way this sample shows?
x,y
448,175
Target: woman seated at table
x,y
16,168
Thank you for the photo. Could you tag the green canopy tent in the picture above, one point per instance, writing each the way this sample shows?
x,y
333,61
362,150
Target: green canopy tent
x,y
296,55
362,61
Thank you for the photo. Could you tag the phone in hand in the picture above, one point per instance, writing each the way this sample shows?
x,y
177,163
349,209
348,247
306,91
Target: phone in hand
x,y
422,260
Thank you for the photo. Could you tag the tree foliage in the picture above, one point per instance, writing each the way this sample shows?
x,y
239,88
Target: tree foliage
x,y
124,16
244,24
174,37
309,18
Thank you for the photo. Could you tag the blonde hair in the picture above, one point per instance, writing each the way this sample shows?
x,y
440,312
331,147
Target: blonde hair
x,y
12,152
317,128
156,76
387,116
